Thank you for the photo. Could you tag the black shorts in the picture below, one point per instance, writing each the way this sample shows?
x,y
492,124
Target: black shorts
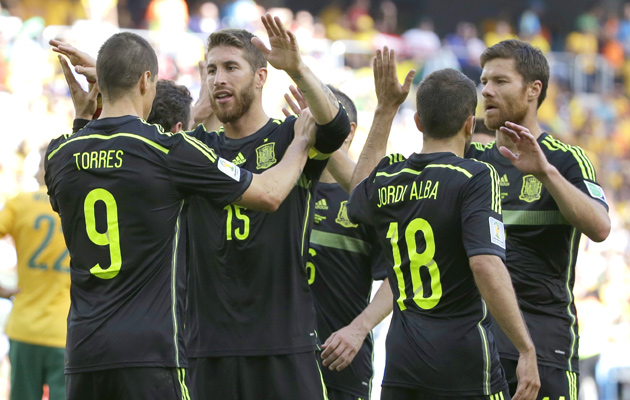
x,y
334,394
398,393
141,383
554,382
287,376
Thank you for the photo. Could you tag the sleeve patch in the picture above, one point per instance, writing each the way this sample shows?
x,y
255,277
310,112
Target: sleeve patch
x,y
229,169
596,191
497,232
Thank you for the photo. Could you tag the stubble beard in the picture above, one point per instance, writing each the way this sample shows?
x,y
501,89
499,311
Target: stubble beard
x,y
514,112
243,102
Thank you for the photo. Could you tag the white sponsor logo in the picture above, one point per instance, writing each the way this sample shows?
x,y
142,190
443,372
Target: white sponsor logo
x,y
497,232
229,169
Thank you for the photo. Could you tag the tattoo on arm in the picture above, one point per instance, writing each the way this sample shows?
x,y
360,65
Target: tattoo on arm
x,y
329,93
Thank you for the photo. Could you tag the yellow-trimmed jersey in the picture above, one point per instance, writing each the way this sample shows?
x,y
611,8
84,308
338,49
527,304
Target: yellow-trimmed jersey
x,y
542,249
431,213
41,307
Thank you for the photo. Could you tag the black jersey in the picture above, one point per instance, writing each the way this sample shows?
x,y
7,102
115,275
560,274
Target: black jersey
x,y
119,187
432,213
249,293
344,260
542,249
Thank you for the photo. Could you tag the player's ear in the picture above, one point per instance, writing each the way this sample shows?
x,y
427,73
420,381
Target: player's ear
x,y
416,118
260,78
469,126
144,82
534,90
177,127
353,129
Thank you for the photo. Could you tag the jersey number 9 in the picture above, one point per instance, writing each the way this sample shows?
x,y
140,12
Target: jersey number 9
x,y
110,237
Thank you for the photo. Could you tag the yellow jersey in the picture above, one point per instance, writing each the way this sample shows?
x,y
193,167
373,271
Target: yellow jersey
x,y
40,309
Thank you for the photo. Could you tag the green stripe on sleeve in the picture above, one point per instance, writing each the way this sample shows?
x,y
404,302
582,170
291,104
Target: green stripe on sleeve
x,y
341,242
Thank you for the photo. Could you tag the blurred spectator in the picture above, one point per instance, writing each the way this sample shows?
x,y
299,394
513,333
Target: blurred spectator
x,y
171,15
421,43
387,20
467,47
206,20
502,31
357,10
530,30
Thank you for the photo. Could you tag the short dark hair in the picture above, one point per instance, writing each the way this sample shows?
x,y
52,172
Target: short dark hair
x,y
444,100
346,102
171,105
530,62
121,61
242,39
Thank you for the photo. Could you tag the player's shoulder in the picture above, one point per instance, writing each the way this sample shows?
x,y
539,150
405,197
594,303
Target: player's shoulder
x,y
477,149
391,162
564,156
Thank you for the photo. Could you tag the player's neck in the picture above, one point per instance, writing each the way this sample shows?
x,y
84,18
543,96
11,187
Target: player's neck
x,y
248,124
121,107
454,144
530,122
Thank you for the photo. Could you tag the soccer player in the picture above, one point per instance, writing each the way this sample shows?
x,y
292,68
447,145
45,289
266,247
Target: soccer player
x,y
344,259
438,218
119,186
550,196
37,324
252,324
172,107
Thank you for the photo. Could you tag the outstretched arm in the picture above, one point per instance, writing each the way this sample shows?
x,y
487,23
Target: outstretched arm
x,y
495,286
343,345
583,212
285,55
269,189
390,95
339,164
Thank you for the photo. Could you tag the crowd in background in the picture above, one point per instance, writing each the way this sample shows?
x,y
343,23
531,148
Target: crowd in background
x,y
588,103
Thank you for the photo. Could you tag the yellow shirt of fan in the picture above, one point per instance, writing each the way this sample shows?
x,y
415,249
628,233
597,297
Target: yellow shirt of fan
x,y
40,309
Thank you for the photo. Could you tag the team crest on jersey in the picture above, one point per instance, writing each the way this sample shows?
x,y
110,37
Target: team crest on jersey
x,y
342,217
266,156
531,189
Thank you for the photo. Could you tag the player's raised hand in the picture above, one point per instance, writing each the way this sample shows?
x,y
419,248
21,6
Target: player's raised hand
x,y
202,110
389,92
528,379
305,126
530,158
84,63
85,103
297,103
341,347
284,53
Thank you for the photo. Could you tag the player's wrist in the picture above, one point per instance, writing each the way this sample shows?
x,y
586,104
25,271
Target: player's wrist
x,y
547,173
298,71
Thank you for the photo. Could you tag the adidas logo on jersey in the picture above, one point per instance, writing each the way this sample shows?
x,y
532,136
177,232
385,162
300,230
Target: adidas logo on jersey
x,y
321,205
319,218
504,180
239,159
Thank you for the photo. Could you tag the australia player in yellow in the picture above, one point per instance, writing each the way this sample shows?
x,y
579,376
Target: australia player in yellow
x,y
37,324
